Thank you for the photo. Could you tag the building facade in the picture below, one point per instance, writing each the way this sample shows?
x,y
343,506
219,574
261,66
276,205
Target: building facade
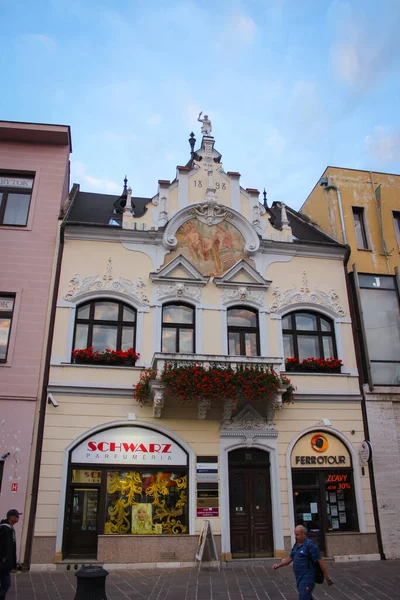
x,y
34,179
362,209
201,295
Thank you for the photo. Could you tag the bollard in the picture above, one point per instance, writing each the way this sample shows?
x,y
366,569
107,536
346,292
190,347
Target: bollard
x,y
91,583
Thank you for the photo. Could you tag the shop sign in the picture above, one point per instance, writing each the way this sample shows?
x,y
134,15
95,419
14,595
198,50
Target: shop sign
x,y
130,446
209,502
320,450
365,452
207,470
205,512
16,182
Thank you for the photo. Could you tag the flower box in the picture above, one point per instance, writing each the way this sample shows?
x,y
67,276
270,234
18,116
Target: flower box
x,y
313,365
108,357
215,383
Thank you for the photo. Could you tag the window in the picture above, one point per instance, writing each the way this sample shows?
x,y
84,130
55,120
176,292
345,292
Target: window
x,y
359,226
105,324
15,198
307,335
243,336
396,218
381,317
6,314
178,329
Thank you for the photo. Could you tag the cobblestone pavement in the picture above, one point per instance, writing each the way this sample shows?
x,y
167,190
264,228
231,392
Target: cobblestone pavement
x,y
357,581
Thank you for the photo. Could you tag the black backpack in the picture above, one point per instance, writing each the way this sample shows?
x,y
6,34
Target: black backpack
x,y
319,576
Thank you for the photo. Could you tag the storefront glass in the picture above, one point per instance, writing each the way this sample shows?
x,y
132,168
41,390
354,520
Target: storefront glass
x,y
127,480
324,499
146,502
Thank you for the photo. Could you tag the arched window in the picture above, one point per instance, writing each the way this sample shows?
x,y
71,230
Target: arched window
x,y
105,324
308,334
177,329
243,335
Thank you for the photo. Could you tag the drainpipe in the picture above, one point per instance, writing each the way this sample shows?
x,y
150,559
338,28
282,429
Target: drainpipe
x,y
324,182
43,399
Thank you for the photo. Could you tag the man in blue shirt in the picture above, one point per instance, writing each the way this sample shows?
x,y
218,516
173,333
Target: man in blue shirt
x,y
304,553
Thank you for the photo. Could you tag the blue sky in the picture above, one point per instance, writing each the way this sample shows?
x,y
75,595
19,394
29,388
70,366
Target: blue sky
x,y
291,86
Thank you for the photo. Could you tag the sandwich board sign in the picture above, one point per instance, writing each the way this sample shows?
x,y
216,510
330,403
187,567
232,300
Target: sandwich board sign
x,y
206,537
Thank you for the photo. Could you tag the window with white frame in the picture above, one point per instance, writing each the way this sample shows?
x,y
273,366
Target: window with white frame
x,y
243,331
105,324
178,329
308,334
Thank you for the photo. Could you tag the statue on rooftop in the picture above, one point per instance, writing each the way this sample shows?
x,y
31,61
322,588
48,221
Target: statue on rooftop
x,y
206,128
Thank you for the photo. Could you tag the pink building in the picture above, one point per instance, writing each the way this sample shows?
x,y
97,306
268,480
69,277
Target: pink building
x,y
34,180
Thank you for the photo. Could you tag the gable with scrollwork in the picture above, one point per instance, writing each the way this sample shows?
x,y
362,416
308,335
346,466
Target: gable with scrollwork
x,y
82,287
304,295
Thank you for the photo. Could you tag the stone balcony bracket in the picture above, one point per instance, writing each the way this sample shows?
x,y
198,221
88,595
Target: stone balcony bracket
x,y
157,393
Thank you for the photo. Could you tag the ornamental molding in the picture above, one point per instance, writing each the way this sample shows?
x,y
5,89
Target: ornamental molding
x,y
79,286
249,420
211,213
292,296
242,294
242,283
178,290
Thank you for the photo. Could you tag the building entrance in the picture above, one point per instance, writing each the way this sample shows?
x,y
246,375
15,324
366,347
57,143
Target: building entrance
x,y
82,522
250,504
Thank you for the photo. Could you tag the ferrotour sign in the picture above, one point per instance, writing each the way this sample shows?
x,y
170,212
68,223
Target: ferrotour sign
x,y
320,450
129,445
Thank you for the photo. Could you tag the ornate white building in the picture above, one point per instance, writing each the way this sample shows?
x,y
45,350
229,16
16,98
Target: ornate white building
x,y
202,278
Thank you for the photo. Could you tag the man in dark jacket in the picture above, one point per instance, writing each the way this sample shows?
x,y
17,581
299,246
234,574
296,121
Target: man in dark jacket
x,y
8,550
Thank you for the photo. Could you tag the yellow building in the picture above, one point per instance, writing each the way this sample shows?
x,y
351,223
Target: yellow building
x,y
362,209
216,292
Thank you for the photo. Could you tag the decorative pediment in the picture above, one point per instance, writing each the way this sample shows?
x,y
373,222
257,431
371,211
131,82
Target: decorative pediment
x,y
180,269
242,274
81,287
179,279
242,283
305,295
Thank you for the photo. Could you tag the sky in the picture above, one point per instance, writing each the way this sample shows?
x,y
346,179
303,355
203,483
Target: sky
x,y
291,86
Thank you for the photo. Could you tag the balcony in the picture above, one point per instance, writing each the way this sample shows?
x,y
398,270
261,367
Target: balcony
x,y
232,368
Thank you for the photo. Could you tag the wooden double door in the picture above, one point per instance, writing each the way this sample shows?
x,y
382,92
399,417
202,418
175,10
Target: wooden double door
x,y
250,508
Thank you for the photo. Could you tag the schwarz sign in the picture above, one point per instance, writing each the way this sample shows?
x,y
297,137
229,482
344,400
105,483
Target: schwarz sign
x,y
129,445
320,449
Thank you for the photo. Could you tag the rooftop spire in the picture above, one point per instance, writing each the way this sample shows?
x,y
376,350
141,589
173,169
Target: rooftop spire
x,y
265,203
192,141
125,182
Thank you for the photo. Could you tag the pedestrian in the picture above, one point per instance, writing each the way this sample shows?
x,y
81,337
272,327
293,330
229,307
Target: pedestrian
x,y
8,550
304,555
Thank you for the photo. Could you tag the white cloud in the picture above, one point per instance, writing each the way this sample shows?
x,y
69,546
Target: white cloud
x,y
89,183
276,141
43,40
239,32
243,28
154,120
383,145
364,51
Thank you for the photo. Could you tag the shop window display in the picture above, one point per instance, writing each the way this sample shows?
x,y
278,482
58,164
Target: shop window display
x,y
146,502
